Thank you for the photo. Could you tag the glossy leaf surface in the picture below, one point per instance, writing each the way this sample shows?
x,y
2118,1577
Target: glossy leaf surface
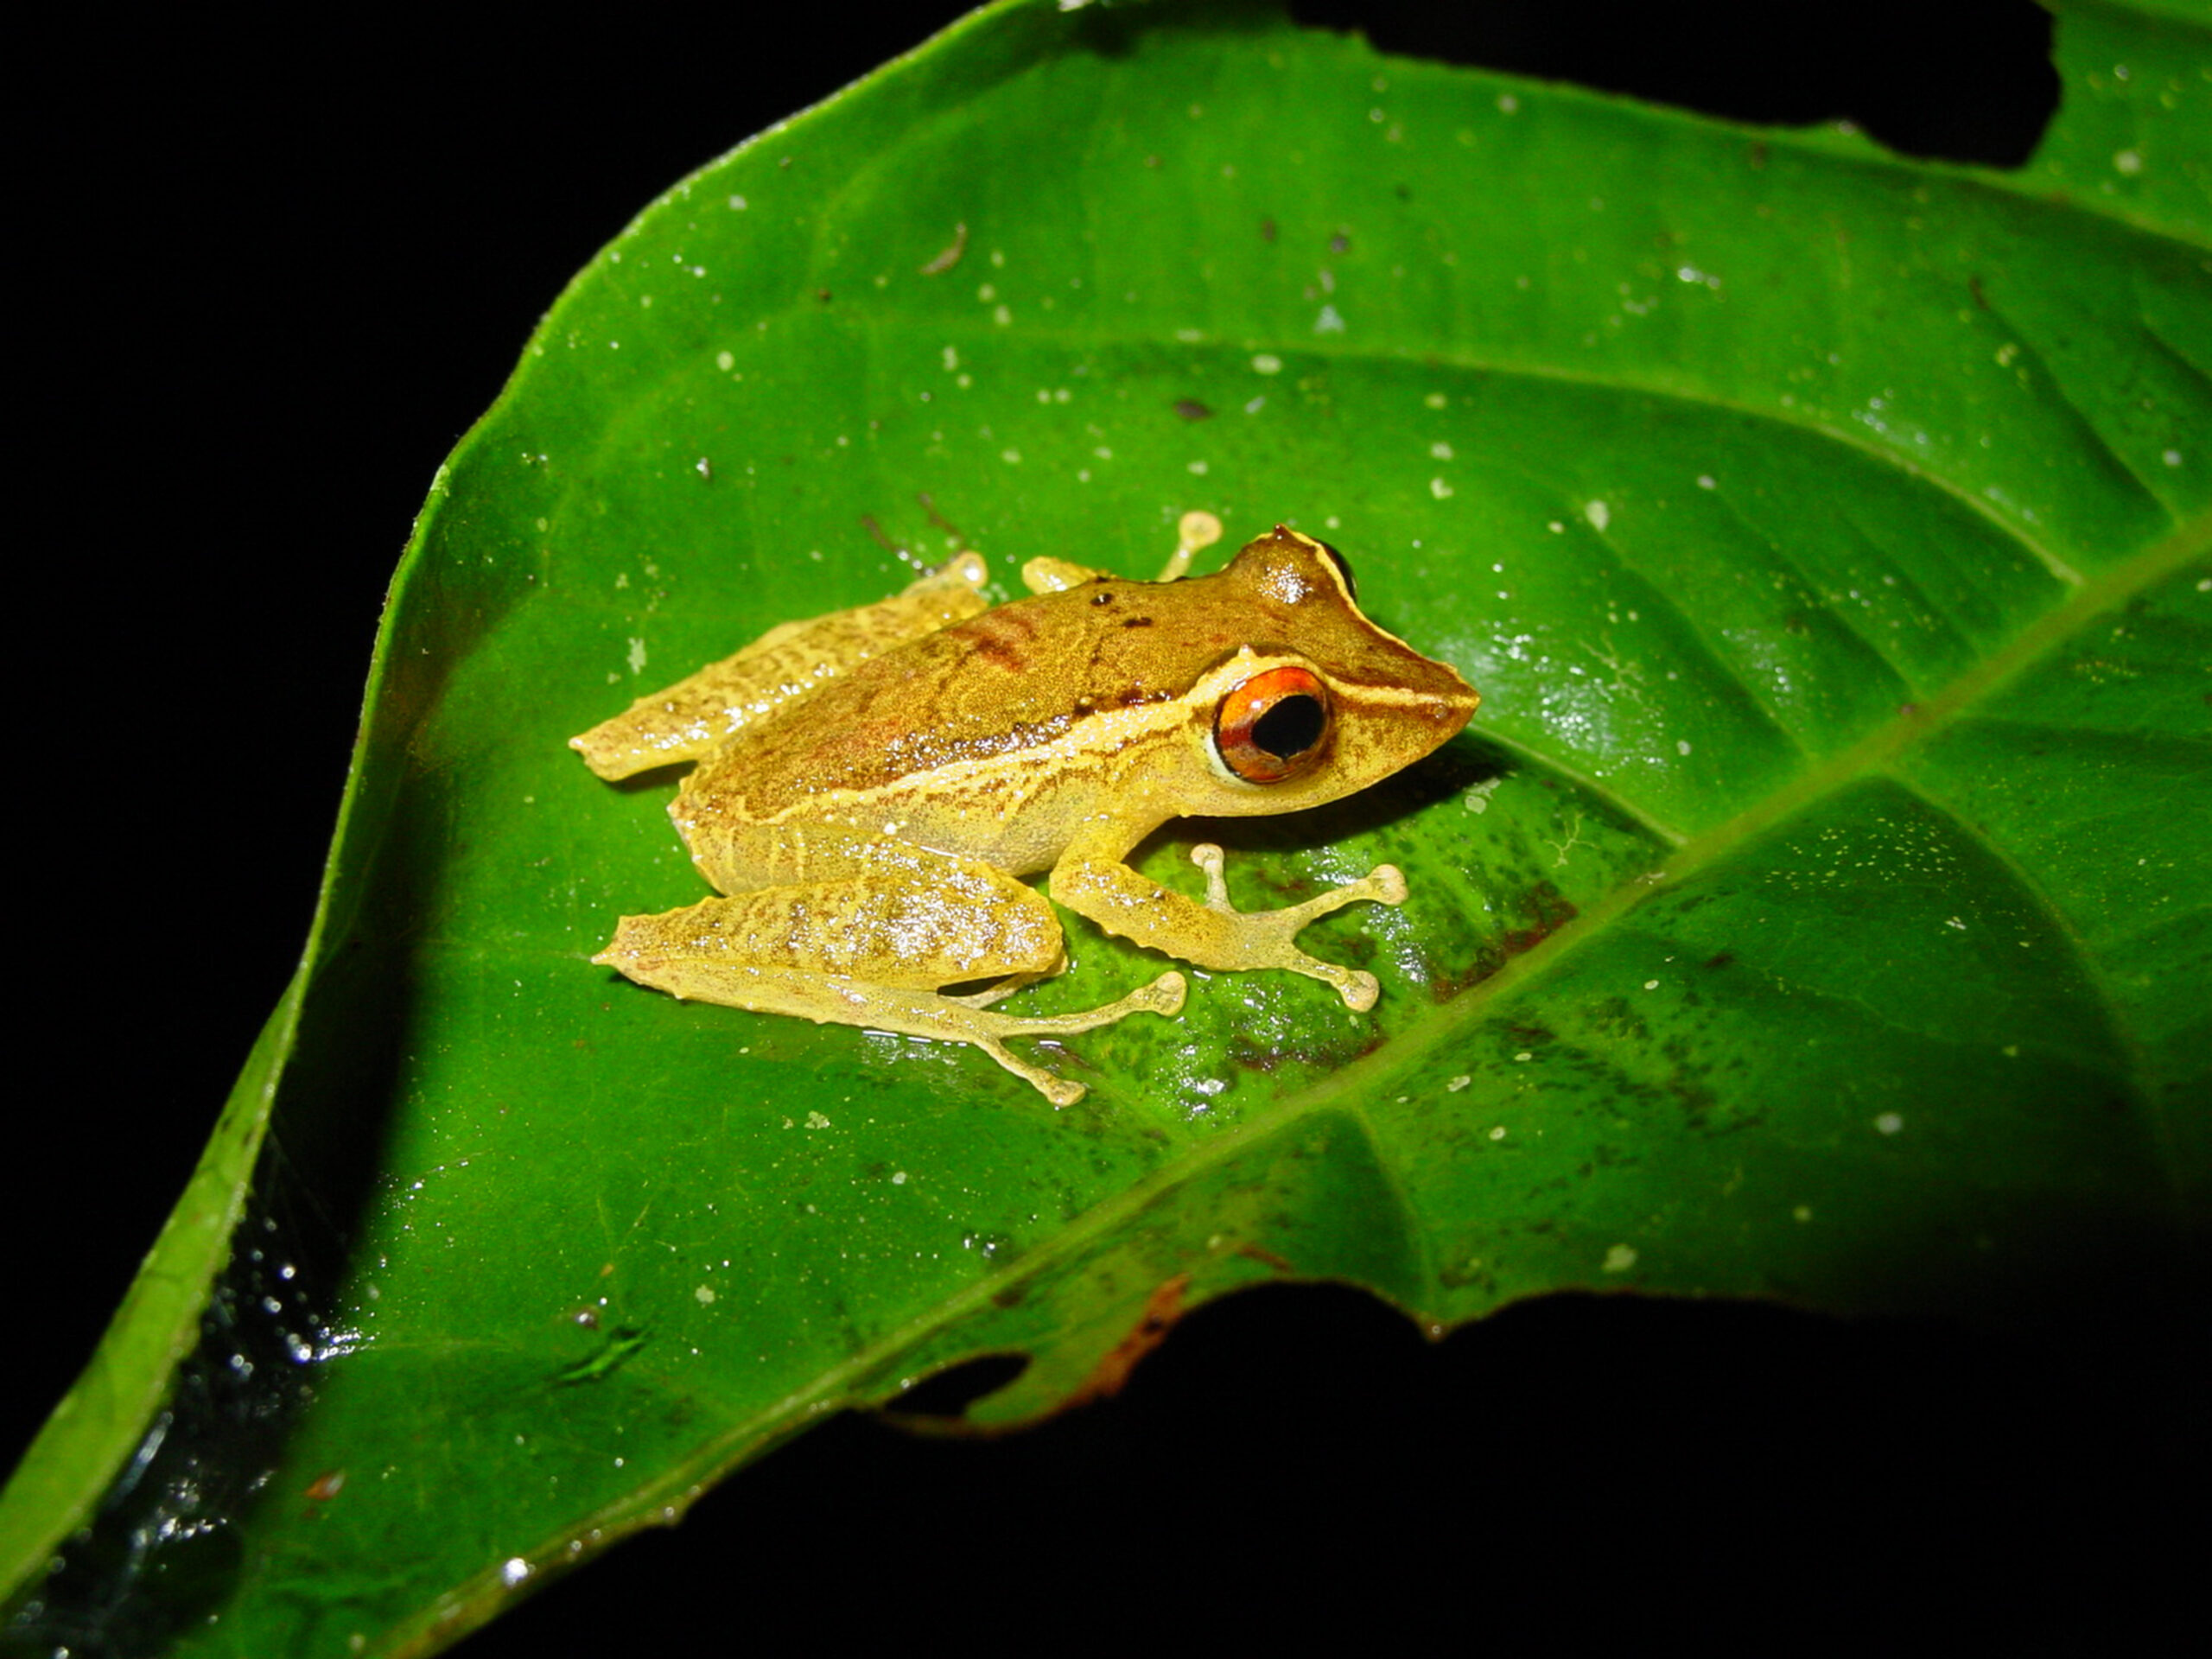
x,y
1817,910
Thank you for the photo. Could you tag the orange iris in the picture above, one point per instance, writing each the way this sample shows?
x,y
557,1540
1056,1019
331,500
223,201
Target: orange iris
x,y
1273,726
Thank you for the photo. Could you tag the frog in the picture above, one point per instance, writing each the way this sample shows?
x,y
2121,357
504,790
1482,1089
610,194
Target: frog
x,y
871,790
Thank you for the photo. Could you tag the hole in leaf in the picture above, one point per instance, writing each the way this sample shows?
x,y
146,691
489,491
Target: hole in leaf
x,y
951,1391
1970,81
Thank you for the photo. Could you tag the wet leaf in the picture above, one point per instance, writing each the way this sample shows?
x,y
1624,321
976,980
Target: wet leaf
x,y
1813,913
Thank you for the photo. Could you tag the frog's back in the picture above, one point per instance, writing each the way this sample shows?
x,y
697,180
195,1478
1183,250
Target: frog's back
x,y
998,686
1000,736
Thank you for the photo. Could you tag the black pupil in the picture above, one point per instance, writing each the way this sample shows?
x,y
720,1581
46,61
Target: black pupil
x,y
1291,727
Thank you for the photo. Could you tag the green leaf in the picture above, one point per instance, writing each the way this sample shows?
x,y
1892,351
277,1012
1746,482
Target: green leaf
x,y
1813,913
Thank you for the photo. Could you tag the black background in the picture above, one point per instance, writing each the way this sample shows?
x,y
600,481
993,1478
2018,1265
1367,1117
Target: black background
x,y
278,271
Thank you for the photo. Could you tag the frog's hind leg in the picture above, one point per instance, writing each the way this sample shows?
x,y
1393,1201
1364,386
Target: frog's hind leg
x,y
690,719
870,952
953,1021
991,995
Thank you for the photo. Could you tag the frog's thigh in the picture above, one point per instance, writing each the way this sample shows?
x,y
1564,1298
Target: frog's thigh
x,y
688,720
967,922
866,951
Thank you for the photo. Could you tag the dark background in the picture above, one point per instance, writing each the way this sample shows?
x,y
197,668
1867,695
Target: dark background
x,y
278,271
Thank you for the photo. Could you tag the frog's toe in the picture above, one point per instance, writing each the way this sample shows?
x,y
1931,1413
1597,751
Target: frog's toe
x,y
1061,1091
1358,987
1164,996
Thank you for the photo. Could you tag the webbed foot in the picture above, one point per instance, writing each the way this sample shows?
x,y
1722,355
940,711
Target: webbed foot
x,y
1271,934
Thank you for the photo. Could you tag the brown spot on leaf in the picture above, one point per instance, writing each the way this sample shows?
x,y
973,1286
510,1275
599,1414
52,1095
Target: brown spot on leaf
x,y
950,256
1161,1309
1552,911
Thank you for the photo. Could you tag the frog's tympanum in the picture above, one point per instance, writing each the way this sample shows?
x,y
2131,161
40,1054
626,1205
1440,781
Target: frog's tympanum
x,y
872,785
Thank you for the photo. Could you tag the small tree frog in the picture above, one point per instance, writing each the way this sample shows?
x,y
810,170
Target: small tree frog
x,y
871,785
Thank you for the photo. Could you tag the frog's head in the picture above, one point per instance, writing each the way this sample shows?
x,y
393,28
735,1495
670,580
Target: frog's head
x,y
1319,702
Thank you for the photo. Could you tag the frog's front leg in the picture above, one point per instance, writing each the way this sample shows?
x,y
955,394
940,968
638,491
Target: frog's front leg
x,y
1215,934
1194,532
871,950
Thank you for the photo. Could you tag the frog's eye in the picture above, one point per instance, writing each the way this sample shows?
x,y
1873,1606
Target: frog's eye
x,y
1343,569
1272,727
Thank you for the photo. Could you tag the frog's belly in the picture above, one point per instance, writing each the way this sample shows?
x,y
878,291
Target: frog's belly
x,y
1017,817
